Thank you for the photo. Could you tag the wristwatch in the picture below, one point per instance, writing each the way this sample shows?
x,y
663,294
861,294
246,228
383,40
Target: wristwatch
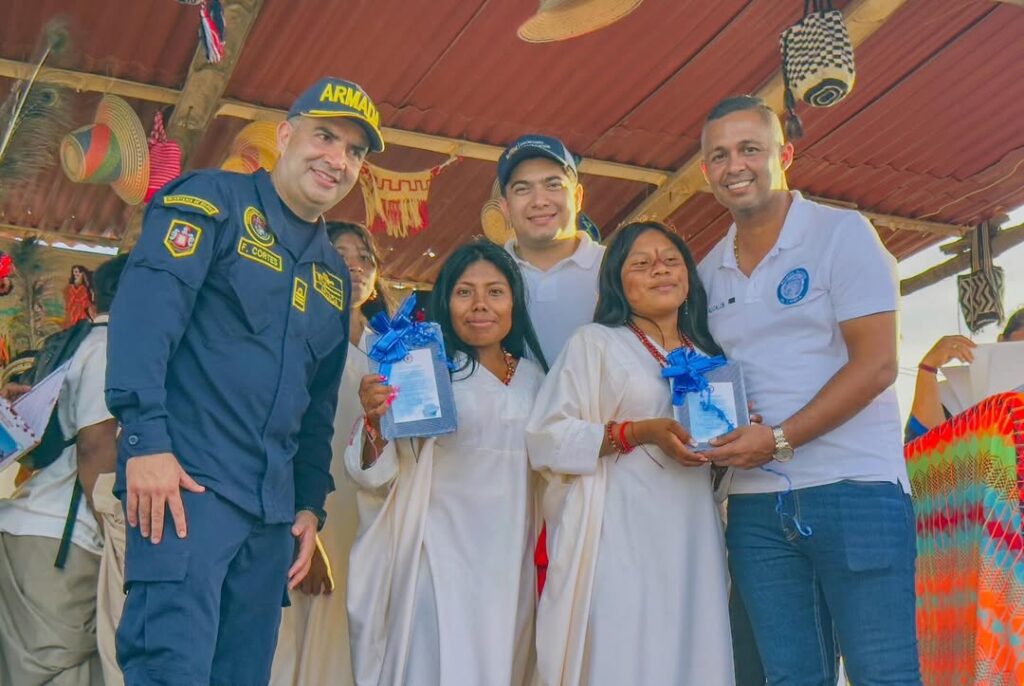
x,y
783,450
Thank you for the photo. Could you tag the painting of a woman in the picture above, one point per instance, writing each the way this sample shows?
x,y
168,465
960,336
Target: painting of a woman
x,y
78,296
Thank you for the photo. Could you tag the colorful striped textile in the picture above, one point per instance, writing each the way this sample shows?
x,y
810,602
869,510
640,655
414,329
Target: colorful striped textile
x,y
967,476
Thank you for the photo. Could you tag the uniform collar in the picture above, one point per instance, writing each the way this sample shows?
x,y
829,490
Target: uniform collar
x,y
279,221
587,253
791,235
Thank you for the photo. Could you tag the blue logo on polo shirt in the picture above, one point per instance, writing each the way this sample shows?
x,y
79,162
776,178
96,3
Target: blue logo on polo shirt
x,y
794,286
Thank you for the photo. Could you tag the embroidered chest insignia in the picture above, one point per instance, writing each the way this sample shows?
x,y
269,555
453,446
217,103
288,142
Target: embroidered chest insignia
x,y
256,226
330,286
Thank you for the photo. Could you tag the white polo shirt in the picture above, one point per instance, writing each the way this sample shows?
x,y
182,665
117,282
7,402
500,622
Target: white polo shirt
x,y
782,325
561,299
39,506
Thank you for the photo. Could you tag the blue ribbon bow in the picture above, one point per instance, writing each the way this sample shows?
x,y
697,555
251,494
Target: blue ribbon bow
x,y
399,335
686,369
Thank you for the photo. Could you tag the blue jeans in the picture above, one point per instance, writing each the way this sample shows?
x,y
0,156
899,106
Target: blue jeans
x,y
849,583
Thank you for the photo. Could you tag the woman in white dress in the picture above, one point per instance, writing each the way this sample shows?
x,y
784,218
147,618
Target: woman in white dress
x,y
441,589
312,645
637,588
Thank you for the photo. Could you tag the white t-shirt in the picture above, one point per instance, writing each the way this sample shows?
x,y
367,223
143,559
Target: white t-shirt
x,y
561,299
39,507
782,325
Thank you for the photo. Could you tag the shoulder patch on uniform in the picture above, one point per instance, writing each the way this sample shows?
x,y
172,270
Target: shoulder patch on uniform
x,y
299,292
193,202
256,226
260,254
330,286
182,238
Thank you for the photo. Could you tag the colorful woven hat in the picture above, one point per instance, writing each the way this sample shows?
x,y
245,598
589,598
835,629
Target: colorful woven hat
x,y
493,221
562,19
254,147
164,157
113,150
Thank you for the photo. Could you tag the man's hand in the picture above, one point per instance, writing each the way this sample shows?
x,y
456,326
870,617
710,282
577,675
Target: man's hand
x,y
304,530
950,348
320,579
13,391
746,447
155,481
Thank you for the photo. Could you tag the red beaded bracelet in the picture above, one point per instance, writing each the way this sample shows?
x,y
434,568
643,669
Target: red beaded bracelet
x,y
623,441
927,368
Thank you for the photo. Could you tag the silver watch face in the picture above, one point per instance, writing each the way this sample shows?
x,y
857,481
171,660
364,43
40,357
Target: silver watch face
x,y
784,454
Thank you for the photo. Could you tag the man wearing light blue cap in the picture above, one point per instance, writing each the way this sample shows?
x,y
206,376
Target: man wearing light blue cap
x,y
224,362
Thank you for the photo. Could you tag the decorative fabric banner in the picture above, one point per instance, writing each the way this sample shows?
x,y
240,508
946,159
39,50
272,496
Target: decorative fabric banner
x,y
967,477
396,202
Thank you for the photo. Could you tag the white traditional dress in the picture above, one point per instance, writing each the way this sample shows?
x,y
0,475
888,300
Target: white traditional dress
x,y
637,587
312,644
441,586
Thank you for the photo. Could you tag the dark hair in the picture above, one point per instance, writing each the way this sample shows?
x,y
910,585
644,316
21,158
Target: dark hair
x,y
521,337
613,308
383,300
1014,323
87,277
745,103
105,281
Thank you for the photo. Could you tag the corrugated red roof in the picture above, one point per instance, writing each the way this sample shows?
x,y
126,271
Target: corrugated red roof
x,y
931,129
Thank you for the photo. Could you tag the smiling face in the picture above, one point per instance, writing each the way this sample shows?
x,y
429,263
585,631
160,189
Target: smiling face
x,y
654,276
745,161
541,201
319,164
362,267
481,305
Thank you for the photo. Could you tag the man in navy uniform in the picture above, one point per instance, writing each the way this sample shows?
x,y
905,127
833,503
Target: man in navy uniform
x,y
226,349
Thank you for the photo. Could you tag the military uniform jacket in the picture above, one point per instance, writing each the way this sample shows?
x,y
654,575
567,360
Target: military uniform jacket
x,y
227,343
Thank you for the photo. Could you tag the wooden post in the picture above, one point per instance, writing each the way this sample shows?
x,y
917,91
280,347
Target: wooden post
x,y
1001,242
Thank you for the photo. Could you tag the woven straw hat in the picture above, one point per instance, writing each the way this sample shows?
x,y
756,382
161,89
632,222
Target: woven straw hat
x,y
557,20
496,226
254,147
113,149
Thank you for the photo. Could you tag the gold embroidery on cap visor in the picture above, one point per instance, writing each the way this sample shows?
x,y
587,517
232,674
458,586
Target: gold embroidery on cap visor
x,y
204,206
260,254
331,287
182,238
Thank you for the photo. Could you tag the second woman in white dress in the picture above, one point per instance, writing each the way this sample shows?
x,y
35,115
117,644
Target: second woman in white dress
x,y
636,589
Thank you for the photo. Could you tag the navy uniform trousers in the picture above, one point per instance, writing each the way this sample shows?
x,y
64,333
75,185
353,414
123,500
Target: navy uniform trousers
x,y
228,559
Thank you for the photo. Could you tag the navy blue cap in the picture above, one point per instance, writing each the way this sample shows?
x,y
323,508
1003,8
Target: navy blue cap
x,y
531,146
333,97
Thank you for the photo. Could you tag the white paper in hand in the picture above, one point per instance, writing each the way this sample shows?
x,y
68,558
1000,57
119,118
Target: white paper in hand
x,y
23,422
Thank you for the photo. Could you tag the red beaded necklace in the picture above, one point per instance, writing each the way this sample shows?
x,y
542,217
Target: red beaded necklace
x,y
646,341
510,367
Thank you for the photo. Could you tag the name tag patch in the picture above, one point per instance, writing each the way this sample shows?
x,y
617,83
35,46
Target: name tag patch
x,y
260,254
331,287
182,238
794,286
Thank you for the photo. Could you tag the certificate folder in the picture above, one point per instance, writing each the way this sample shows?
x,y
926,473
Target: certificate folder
x,y
727,409
425,403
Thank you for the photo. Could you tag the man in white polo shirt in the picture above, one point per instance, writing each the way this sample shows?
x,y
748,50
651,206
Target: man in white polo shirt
x,y
542,196
820,524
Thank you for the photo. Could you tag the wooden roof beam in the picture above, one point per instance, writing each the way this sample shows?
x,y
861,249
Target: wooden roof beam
x,y
863,18
1001,242
84,81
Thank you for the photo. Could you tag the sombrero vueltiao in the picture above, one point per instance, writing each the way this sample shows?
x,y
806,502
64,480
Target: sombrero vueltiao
x,y
557,20
112,149
254,147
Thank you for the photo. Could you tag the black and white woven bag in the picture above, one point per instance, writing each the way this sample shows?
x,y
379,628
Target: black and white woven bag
x,y
817,61
981,291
